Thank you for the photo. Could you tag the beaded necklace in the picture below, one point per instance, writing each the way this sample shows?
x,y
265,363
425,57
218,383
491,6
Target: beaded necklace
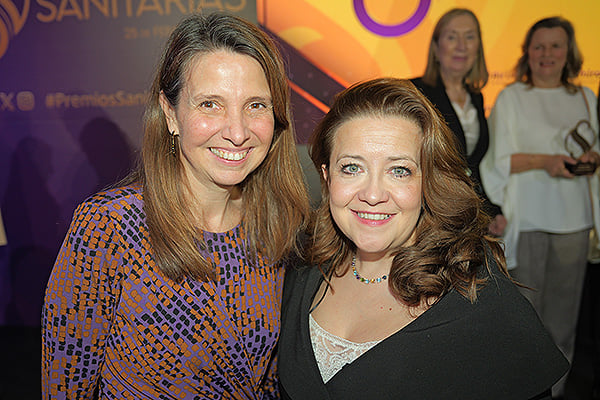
x,y
365,280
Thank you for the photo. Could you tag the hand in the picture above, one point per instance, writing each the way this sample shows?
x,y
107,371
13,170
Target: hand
x,y
555,165
497,226
590,156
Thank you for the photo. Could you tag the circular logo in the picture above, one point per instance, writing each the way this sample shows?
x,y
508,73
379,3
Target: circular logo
x,y
11,21
391,30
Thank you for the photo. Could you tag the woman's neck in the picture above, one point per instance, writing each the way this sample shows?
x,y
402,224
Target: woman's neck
x,y
451,79
218,210
372,266
455,89
548,83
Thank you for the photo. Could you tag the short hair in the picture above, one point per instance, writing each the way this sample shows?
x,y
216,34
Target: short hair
x,y
274,192
477,77
574,57
450,234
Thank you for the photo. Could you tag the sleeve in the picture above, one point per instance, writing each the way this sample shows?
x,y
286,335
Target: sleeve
x,y
592,107
79,305
495,165
271,381
489,207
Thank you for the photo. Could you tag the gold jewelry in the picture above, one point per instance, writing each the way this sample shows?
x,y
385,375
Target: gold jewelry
x,y
173,148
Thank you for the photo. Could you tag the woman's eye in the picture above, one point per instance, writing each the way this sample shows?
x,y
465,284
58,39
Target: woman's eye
x,y
208,104
350,169
257,106
400,172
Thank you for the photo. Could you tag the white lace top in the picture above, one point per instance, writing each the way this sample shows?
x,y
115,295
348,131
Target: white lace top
x,y
333,352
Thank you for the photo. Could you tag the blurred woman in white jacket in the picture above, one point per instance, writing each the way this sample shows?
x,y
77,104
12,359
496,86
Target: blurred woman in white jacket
x,y
528,171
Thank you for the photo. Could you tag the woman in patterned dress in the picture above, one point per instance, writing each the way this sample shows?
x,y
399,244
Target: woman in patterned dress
x,y
169,286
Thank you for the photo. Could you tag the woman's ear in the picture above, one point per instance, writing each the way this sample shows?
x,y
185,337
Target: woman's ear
x,y
169,112
324,172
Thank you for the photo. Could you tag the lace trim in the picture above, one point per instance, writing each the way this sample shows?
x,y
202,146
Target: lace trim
x,y
333,352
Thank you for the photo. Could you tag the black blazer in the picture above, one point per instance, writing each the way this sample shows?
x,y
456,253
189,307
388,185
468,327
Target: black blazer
x,y
437,95
493,349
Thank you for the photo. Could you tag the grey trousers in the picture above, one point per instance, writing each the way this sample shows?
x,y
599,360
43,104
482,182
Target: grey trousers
x,y
554,265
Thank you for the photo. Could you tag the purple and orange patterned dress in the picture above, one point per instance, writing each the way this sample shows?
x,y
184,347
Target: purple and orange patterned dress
x,y
115,328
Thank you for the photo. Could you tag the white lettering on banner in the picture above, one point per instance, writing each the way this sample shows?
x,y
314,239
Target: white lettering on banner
x,y
57,10
25,100
117,99
133,32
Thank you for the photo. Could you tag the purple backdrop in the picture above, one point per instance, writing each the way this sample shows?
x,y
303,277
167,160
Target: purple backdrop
x,y
73,80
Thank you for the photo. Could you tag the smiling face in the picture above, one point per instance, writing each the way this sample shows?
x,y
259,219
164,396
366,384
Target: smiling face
x,y
458,45
224,119
374,181
547,54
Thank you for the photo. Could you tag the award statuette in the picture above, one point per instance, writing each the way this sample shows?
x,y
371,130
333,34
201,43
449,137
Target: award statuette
x,y
579,141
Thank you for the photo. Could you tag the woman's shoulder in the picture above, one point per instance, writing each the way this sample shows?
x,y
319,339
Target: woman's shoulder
x,y
301,281
120,199
418,82
588,91
590,95
121,203
119,195
512,88
498,338
498,289
300,274
423,86
512,96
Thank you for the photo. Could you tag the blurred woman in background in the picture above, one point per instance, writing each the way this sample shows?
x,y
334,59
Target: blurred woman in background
x,y
543,178
454,76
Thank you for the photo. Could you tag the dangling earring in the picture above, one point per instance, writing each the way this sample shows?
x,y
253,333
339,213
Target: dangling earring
x,y
173,150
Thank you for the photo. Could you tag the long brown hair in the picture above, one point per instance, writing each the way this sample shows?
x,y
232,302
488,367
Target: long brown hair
x,y
477,77
275,199
450,240
574,57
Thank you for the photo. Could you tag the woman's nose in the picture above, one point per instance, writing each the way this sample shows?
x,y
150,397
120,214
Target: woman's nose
x,y
236,130
373,191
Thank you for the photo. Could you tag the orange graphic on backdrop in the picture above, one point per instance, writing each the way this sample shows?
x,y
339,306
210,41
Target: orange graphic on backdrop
x,y
330,35
11,22
333,38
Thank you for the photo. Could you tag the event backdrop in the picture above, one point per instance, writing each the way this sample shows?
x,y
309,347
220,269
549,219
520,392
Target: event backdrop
x,y
74,76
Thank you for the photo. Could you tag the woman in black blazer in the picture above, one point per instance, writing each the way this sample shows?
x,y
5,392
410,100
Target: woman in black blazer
x,y
454,76
405,296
